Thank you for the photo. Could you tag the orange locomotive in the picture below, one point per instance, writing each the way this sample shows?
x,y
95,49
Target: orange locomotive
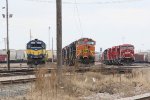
x,y
81,51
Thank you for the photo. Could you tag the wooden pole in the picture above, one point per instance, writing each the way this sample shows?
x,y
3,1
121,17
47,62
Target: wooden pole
x,y
59,38
52,51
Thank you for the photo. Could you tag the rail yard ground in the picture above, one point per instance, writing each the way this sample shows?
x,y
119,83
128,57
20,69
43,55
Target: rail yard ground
x,y
3,66
92,84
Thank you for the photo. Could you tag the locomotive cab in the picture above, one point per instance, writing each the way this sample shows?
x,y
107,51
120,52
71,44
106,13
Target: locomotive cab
x,y
127,53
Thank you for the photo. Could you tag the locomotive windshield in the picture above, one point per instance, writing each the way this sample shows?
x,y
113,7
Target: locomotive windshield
x,y
127,47
36,45
91,42
86,42
130,47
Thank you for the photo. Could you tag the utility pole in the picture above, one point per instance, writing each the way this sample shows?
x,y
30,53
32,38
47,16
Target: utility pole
x,y
30,35
7,23
7,15
49,37
5,42
52,51
59,38
100,53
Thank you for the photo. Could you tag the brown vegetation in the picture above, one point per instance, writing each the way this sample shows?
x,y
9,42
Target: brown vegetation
x,y
77,86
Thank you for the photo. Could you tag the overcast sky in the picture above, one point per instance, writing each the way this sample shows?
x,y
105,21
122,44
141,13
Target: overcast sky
x,y
108,22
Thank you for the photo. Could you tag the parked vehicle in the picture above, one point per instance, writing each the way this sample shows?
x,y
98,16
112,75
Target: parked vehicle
x,y
50,55
122,54
142,57
3,58
79,52
21,56
13,55
97,57
16,56
36,52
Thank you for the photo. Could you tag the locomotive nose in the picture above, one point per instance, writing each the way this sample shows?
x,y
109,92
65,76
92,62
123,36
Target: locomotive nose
x,y
86,51
127,54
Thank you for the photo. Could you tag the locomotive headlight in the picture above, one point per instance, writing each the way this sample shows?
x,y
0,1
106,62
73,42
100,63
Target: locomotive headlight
x,y
126,52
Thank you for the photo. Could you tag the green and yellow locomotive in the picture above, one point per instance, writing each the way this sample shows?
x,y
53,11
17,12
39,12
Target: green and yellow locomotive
x,y
36,52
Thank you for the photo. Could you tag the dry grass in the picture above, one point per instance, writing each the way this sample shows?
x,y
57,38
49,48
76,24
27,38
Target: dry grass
x,y
75,86
46,86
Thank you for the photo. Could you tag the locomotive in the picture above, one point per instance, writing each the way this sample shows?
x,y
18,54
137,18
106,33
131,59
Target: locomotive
x,y
36,52
79,52
119,55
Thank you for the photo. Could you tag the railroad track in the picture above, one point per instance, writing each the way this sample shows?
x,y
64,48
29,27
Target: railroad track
x,y
97,68
4,73
17,79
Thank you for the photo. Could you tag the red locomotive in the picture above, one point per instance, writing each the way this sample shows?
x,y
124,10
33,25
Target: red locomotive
x,y
122,54
81,51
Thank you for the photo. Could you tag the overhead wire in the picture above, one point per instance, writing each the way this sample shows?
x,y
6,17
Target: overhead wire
x,y
89,3
98,2
79,19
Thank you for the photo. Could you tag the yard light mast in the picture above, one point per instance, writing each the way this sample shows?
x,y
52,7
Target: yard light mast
x,y
7,25
7,16
49,36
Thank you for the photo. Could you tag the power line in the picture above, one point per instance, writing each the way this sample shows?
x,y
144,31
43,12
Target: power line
x,y
78,15
90,3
